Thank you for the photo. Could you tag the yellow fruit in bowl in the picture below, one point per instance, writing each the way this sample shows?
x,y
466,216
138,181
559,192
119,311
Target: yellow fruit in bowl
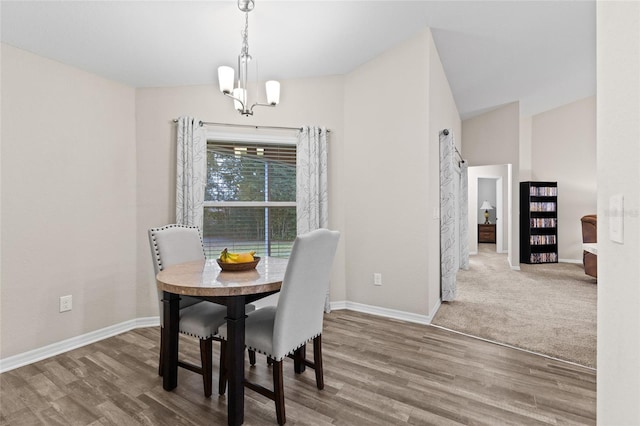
x,y
228,257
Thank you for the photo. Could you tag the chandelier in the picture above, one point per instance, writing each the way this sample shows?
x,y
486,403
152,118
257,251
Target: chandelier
x,y
226,78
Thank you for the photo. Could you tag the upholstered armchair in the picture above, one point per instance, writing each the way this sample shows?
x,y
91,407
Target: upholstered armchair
x,y
589,240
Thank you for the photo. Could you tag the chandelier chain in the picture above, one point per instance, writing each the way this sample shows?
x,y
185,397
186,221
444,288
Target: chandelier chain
x,y
238,90
245,35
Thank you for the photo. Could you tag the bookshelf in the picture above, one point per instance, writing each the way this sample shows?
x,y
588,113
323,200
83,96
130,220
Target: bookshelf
x,y
538,222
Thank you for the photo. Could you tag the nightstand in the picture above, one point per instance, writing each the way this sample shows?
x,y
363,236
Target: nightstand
x,y
487,233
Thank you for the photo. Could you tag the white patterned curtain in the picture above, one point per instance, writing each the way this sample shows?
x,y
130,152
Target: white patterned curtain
x,y
463,208
454,250
191,176
311,183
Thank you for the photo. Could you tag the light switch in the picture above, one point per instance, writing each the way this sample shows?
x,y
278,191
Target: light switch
x,y
616,218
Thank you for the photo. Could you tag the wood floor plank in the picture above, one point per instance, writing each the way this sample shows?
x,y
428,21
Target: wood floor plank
x,y
23,417
45,387
378,371
30,398
75,411
10,385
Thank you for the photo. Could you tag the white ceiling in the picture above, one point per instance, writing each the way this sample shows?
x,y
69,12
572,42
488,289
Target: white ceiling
x,y
542,53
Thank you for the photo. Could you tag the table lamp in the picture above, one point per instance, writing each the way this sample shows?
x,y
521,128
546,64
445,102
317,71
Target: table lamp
x,y
486,206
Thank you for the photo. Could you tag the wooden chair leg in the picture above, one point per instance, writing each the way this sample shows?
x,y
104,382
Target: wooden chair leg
x,y
278,391
317,360
299,356
206,354
222,380
160,363
252,357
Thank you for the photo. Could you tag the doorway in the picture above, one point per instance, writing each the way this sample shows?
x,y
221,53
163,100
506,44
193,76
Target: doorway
x,y
489,183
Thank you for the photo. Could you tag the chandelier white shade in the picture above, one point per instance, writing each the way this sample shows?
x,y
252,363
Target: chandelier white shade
x,y
237,89
225,79
273,92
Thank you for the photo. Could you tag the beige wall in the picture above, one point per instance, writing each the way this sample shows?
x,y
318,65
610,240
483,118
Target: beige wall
x,y
618,156
391,184
525,148
443,114
68,201
314,101
563,149
493,139
388,156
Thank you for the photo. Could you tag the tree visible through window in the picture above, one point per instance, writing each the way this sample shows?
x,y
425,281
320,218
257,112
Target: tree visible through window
x,y
250,198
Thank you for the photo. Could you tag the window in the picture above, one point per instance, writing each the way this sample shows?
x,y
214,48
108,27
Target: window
x,y
250,198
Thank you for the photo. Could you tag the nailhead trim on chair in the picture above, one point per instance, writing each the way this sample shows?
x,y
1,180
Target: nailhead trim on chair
x,y
155,244
205,342
157,254
219,337
195,335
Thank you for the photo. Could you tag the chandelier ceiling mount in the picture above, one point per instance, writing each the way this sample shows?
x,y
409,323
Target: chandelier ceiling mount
x,y
237,89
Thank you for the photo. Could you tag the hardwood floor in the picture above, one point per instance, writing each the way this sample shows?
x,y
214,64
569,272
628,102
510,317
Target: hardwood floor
x,y
378,371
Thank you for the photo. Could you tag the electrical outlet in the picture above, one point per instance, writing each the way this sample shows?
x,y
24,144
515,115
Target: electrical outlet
x,y
65,303
377,278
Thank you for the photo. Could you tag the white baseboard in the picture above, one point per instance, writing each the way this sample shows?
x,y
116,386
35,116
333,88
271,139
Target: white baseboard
x,y
385,312
44,352
57,348
576,261
513,267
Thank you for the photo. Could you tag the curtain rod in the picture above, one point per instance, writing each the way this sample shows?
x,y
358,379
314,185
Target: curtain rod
x,y
209,123
446,133
459,155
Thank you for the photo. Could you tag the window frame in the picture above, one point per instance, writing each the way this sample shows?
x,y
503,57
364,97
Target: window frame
x,y
242,137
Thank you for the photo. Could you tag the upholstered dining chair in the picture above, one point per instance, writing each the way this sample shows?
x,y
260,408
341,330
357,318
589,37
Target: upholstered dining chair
x,y
280,331
174,244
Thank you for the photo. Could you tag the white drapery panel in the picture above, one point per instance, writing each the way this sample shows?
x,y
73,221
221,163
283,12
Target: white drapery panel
x,y
463,208
191,176
311,182
454,250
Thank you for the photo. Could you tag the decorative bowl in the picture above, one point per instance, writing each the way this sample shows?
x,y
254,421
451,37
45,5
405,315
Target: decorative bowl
x,y
234,267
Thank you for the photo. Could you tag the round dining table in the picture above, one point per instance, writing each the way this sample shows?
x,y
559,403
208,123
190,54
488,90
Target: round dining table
x,y
234,289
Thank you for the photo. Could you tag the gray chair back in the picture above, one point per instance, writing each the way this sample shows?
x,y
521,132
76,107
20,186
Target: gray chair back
x,y
174,244
300,308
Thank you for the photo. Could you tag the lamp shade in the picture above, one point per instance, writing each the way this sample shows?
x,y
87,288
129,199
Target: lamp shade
x,y
273,92
240,94
486,206
225,79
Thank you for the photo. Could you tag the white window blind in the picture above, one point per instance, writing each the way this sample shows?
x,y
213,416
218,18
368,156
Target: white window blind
x,y
250,198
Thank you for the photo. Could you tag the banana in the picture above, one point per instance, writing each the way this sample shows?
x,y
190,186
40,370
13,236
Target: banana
x,y
228,257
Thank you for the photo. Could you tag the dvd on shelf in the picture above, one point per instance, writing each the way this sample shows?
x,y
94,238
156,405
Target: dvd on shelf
x,y
543,191
536,206
539,222
544,257
541,240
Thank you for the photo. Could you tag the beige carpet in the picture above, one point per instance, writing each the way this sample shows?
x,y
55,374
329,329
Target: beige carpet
x,y
547,308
